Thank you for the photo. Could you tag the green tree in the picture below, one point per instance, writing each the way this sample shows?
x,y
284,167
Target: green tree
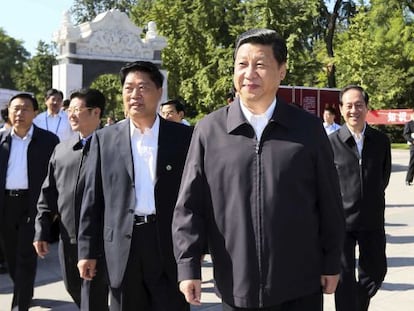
x,y
377,53
36,75
87,10
12,58
110,86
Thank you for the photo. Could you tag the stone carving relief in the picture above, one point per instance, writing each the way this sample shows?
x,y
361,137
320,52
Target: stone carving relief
x,y
111,35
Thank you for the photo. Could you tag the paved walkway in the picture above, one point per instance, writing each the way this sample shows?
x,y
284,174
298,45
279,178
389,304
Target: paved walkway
x,y
397,292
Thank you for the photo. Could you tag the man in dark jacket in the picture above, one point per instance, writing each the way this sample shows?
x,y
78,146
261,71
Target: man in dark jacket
x,y
24,154
409,137
260,188
61,195
363,161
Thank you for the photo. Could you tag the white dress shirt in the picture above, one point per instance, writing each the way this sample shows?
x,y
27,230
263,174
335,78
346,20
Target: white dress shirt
x,y
359,139
57,124
144,155
258,121
17,177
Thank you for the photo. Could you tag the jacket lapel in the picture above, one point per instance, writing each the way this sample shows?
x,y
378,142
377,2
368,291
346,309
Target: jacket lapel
x,y
123,143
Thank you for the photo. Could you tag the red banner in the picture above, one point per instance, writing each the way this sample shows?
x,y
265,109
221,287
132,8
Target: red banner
x,y
389,116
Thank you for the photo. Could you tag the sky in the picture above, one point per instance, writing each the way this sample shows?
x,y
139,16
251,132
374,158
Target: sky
x,y
32,20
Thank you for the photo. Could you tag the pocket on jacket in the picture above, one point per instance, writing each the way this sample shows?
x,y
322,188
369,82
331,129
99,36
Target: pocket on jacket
x,y
107,234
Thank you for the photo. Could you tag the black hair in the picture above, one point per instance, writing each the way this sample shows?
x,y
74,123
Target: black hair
x,y
5,114
330,109
52,92
179,106
26,96
265,37
93,98
144,66
353,87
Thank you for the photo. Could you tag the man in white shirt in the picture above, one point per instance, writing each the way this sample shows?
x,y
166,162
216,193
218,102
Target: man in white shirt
x,y
54,119
24,154
133,174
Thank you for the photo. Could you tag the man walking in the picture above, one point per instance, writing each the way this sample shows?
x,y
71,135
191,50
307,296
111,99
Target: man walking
x,y
260,189
25,150
133,175
61,195
408,134
363,161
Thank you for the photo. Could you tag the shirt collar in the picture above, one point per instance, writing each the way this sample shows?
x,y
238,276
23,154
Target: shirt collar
x,y
355,135
29,133
59,114
267,114
153,131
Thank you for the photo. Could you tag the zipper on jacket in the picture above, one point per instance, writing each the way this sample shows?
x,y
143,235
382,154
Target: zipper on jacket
x,y
360,176
259,220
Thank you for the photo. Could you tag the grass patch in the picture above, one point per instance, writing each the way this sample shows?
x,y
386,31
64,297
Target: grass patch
x,y
400,146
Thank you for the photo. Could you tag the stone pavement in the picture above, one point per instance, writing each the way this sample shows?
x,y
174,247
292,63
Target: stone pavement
x,y
397,292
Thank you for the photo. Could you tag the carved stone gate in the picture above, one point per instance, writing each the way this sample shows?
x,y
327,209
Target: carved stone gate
x,y
102,46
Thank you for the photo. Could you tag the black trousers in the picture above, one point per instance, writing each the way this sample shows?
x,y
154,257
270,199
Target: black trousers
x,y
18,232
88,295
410,171
307,303
354,294
146,286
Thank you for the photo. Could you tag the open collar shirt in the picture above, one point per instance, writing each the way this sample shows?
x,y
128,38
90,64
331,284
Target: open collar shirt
x,y
258,121
17,176
144,154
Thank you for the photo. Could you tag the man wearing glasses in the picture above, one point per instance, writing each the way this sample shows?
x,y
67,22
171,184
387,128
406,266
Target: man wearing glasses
x,y
61,196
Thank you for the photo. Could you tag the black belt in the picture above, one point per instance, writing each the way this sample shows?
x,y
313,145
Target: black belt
x,y
16,192
140,220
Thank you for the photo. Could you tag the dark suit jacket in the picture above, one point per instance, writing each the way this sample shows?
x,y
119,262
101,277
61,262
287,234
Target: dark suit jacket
x,y
362,179
38,154
109,198
62,191
408,130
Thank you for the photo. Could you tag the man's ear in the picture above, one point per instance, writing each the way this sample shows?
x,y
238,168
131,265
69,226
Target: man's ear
x,y
181,114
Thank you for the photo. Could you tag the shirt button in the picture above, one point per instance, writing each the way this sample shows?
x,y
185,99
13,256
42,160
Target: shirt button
x,y
131,211
128,236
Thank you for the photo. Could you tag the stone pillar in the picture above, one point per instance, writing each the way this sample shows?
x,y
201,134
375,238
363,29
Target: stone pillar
x,y
67,78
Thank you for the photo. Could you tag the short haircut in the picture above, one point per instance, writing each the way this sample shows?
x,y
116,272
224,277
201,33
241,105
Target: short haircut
x,y
143,66
264,37
93,98
5,114
353,87
179,106
330,109
52,92
26,96
66,103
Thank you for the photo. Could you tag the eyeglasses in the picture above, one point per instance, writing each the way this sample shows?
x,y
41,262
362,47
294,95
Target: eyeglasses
x,y
78,110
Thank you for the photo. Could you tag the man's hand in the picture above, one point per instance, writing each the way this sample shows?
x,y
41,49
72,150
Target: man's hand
x,y
42,248
329,283
87,268
192,291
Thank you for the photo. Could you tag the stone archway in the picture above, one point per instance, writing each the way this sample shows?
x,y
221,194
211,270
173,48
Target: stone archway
x,y
102,46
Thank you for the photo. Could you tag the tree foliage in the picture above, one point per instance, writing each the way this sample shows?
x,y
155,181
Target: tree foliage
x,y
110,85
331,43
36,75
86,10
12,58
